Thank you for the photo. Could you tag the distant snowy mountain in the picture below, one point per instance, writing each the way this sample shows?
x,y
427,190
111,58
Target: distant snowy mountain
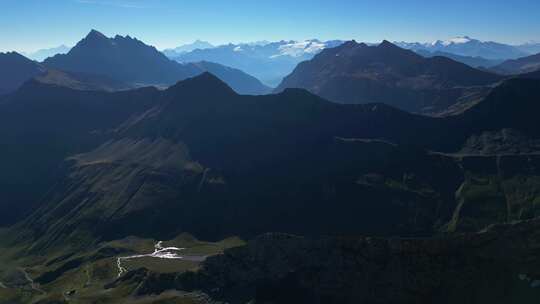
x,y
198,44
268,61
452,41
43,54
304,48
466,46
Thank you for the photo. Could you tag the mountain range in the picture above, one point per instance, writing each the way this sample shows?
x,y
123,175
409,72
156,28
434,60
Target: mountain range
x,y
279,58
466,46
131,61
269,62
371,174
17,70
358,73
530,47
532,75
186,48
43,54
475,62
519,66
162,144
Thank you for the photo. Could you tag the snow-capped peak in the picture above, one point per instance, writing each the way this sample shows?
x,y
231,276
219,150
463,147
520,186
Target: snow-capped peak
x,y
455,40
300,48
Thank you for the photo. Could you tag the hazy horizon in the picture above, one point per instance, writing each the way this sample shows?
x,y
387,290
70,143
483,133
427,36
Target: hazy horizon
x,y
70,45
168,24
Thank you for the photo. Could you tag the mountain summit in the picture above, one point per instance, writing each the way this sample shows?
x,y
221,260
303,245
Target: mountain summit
x,y
122,58
131,61
201,84
95,35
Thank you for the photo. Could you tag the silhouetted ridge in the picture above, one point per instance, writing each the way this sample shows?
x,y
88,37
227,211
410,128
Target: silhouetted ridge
x,y
94,39
94,34
533,75
388,44
205,82
296,91
239,81
13,55
15,69
523,65
512,104
349,44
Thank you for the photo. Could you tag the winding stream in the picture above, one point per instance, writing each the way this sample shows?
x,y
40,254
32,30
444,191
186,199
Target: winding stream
x,y
160,252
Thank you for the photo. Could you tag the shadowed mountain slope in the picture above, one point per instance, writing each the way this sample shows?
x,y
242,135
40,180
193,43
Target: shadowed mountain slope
x,y
475,62
241,82
16,69
81,81
198,157
519,66
41,124
358,73
532,75
498,266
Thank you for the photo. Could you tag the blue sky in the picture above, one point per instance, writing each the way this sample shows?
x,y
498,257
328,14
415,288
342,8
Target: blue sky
x,y
27,25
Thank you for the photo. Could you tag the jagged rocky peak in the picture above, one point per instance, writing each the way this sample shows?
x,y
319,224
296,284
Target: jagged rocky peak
x,y
94,34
